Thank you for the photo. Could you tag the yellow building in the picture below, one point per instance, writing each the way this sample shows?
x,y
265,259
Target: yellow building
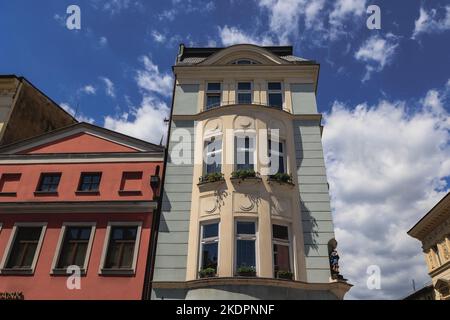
x,y
433,230
232,226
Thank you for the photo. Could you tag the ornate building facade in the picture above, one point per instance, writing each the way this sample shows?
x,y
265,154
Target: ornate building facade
x,y
433,230
232,226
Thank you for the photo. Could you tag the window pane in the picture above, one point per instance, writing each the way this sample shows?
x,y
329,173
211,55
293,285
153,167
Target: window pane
x,y
280,232
214,86
90,182
209,255
80,255
275,100
245,253
243,227
121,247
24,247
274,85
245,98
281,258
210,230
212,100
127,258
113,257
245,86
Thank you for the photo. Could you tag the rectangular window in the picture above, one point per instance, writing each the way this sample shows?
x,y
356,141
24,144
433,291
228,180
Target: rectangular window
x,y
75,246
244,93
244,152
49,182
9,183
121,247
209,246
213,95
277,157
275,95
245,244
213,159
90,182
131,181
24,248
281,249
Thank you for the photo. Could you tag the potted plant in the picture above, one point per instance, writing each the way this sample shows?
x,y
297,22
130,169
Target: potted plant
x,y
284,274
207,272
243,174
211,177
245,271
281,178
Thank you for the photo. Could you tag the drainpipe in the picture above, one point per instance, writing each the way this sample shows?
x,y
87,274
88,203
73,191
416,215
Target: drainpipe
x,y
151,255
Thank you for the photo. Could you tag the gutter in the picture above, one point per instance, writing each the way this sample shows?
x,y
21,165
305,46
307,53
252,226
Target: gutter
x,y
151,255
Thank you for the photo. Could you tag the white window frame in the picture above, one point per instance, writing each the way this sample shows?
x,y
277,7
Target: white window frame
x,y
244,91
277,153
215,92
256,239
59,247
209,240
132,271
206,153
282,242
10,245
281,91
252,136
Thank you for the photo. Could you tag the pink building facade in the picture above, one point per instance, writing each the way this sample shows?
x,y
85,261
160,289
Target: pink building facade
x,y
77,201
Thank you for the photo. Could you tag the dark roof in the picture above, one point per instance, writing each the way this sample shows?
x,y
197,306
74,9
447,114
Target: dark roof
x,y
194,55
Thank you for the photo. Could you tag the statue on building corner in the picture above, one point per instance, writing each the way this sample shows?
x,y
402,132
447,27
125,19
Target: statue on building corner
x,y
334,260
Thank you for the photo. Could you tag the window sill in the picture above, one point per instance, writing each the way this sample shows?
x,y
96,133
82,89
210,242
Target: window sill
x,y
206,185
17,271
250,180
8,194
63,272
87,193
117,272
130,193
46,193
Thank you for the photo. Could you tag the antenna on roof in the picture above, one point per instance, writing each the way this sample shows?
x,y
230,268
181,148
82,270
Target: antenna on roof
x,y
161,142
76,110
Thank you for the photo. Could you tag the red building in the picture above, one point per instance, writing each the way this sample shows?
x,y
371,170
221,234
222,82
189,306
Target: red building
x,y
78,196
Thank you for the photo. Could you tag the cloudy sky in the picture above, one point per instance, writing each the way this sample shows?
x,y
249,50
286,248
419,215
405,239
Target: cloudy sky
x,y
384,94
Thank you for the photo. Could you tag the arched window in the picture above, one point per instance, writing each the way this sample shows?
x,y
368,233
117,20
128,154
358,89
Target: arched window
x,y
244,61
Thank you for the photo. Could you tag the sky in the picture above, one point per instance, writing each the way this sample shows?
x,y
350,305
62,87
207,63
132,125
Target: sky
x,y
384,95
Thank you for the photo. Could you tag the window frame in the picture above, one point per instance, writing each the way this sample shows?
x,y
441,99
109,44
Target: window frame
x,y
208,241
251,135
283,242
41,179
206,153
80,183
121,272
213,92
10,245
271,91
244,92
54,269
256,239
277,152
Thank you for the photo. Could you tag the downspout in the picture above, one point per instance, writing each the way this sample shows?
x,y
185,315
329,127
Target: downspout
x,y
151,255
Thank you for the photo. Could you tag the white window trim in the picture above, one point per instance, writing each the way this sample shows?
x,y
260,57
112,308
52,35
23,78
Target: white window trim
x,y
284,153
256,236
54,269
251,135
220,92
244,91
284,242
202,224
205,154
276,91
132,271
9,247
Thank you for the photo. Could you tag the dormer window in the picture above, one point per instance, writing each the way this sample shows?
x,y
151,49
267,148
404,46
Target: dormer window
x,y
244,61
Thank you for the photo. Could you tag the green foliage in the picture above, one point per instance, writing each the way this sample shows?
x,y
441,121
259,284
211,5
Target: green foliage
x,y
283,274
211,177
281,177
243,174
245,270
207,272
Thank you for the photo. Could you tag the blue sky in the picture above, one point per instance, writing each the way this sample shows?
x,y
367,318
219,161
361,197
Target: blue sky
x,y
384,90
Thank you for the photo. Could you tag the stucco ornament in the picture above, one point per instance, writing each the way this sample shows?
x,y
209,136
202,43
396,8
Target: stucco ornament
x,y
244,122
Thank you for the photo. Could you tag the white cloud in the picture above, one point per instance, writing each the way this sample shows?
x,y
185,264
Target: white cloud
x,y
116,6
103,41
78,115
88,89
429,22
152,81
386,165
377,52
158,37
109,87
342,11
233,35
145,122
